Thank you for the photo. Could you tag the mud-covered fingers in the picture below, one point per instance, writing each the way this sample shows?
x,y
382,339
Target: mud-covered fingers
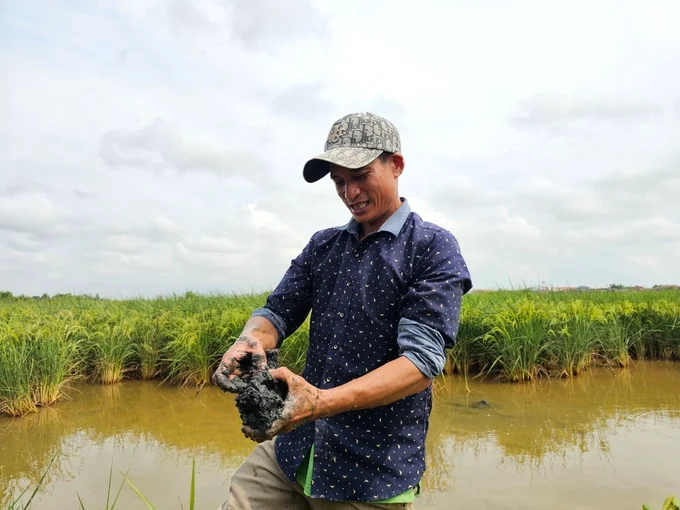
x,y
272,358
227,382
220,378
284,374
246,359
260,363
233,364
236,385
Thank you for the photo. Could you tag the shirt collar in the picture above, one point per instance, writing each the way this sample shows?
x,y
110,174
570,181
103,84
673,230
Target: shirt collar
x,y
392,225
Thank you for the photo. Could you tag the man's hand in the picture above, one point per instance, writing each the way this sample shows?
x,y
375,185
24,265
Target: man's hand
x,y
302,405
247,355
243,359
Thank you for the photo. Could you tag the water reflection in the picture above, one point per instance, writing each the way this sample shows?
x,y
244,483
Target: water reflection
x,y
541,438
537,419
551,428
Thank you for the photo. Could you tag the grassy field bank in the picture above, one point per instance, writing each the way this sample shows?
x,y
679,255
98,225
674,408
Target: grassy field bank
x,y
512,335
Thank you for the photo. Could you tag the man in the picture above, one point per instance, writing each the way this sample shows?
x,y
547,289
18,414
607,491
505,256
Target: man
x,y
384,292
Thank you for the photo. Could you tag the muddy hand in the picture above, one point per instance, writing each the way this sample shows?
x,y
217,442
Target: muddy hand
x,y
243,359
303,404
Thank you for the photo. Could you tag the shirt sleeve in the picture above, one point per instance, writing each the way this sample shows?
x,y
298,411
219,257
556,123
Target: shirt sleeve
x,y
430,310
289,304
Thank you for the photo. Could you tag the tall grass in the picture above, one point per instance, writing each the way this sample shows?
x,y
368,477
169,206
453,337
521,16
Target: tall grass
x,y
670,503
153,334
513,336
110,347
517,341
54,349
16,377
574,337
38,357
520,335
200,340
16,503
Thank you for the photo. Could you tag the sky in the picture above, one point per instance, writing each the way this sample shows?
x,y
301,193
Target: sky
x,y
151,147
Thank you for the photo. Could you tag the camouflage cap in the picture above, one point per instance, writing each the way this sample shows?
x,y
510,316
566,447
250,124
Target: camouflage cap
x,y
354,141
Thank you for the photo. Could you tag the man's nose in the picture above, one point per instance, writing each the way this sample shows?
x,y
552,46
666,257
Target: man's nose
x,y
351,191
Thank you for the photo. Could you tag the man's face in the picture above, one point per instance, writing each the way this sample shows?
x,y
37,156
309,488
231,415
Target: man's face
x,y
370,193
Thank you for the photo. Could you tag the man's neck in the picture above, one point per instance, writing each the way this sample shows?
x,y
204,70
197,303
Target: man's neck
x,y
366,230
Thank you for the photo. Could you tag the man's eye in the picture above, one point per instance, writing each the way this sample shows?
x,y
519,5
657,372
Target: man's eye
x,y
360,177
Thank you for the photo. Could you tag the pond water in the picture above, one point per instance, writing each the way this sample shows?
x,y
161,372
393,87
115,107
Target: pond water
x,y
606,439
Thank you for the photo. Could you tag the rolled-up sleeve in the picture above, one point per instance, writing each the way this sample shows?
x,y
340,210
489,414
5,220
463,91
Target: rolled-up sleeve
x,y
289,304
276,320
430,310
423,345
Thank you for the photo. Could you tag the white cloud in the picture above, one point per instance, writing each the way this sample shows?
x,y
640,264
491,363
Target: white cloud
x,y
212,245
555,110
264,23
29,212
517,226
80,193
645,261
119,262
157,145
163,228
428,213
23,242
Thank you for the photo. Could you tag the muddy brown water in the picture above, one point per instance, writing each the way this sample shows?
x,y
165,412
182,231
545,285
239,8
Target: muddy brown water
x,y
597,441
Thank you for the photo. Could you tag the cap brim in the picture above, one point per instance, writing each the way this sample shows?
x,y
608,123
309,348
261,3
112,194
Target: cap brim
x,y
348,157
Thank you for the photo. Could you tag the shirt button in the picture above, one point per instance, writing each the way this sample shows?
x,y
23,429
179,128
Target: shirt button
x,y
341,314
328,379
349,284
356,254
335,347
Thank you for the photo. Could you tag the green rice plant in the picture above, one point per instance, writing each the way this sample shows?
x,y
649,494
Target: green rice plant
x,y
468,349
152,335
616,343
517,342
459,357
192,356
111,347
192,490
17,504
53,350
573,326
671,503
662,329
16,374
516,334
616,337
226,326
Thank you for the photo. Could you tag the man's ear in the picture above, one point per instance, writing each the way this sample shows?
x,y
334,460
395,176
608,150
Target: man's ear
x,y
398,164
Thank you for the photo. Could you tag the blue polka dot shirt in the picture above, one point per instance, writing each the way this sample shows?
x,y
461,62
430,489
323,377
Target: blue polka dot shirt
x,y
397,292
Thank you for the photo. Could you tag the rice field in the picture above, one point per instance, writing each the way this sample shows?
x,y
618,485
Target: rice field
x,y
512,336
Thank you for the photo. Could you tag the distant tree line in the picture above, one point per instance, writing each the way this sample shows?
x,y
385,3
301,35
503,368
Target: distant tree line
x,y
7,295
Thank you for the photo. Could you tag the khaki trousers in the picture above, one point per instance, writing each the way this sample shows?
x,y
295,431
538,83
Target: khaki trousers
x,y
259,484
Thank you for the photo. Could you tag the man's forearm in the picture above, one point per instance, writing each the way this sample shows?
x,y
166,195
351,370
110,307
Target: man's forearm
x,y
263,330
395,380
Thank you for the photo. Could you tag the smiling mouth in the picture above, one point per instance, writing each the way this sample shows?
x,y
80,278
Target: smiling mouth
x,y
359,206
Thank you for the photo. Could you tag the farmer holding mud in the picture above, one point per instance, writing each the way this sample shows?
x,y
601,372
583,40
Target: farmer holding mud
x,y
385,293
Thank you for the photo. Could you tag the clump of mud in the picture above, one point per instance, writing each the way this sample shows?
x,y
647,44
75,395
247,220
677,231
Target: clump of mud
x,y
260,396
